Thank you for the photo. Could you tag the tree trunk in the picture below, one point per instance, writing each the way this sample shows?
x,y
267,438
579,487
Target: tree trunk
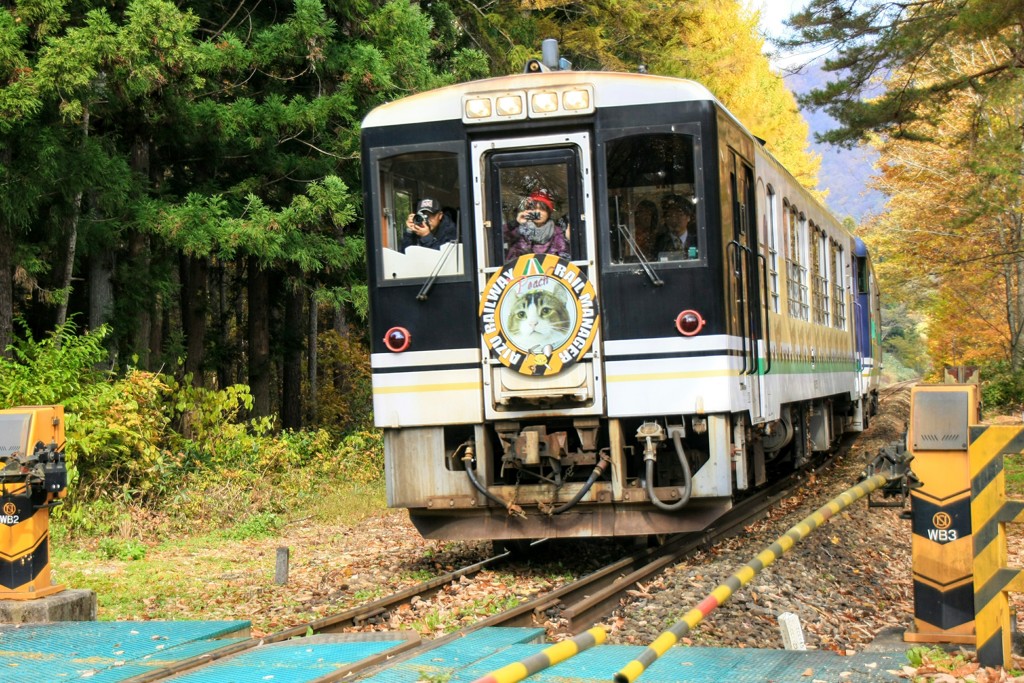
x,y
1016,220
259,338
146,316
341,321
340,370
101,288
100,285
69,260
291,376
311,357
138,255
241,371
194,272
223,316
6,274
6,291
159,322
1015,290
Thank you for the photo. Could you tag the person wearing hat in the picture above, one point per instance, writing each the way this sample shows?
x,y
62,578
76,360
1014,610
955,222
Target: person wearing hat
x,y
534,231
429,227
679,227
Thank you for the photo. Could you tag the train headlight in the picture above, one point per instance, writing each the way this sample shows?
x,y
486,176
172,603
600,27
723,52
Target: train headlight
x,y
477,108
576,100
544,102
689,323
510,105
397,339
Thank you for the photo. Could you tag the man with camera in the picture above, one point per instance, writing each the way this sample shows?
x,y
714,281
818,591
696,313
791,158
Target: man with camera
x,y
429,227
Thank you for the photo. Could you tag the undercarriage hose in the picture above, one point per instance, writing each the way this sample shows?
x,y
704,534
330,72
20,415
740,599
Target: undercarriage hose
x,y
468,461
599,469
649,460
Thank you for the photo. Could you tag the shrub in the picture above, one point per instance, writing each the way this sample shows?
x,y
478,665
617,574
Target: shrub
x,y
344,395
122,439
1002,388
146,443
259,525
57,370
122,549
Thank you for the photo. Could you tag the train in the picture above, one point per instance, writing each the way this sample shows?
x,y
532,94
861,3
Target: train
x,y
703,326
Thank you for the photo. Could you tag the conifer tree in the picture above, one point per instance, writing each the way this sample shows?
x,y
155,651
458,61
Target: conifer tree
x,y
870,40
186,156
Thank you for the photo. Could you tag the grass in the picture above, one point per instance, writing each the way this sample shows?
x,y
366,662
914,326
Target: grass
x,y
147,566
348,503
1013,466
158,566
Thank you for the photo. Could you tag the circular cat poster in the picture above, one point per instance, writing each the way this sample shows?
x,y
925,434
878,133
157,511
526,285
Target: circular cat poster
x,y
539,314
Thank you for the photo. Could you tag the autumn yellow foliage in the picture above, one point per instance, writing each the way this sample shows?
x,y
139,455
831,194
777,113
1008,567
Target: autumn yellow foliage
x,y
952,239
725,52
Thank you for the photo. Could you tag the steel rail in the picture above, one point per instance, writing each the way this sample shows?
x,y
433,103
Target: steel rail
x,y
737,518
598,594
334,623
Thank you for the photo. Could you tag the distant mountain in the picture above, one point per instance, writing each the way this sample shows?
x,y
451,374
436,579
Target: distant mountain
x,y
844,172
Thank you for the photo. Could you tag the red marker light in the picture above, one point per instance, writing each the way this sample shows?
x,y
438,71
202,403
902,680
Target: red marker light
x,y
397,339
689,323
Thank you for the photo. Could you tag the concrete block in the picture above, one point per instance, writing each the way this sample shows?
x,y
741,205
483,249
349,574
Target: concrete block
x,y
792,632
68,605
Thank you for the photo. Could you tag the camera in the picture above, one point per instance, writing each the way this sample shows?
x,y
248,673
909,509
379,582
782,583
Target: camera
x,y
420,218
532,215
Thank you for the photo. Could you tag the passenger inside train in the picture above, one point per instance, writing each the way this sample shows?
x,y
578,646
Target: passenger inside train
x,y
534,230
679,230
429,226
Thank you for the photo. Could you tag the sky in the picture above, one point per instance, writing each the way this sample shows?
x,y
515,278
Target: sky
x,y
845,198
774,11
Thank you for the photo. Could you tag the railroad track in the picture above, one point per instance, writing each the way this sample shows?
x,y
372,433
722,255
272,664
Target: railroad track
x,y
576,605
892,389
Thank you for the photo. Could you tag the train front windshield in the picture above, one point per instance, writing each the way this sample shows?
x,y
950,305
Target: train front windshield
x,y
651,195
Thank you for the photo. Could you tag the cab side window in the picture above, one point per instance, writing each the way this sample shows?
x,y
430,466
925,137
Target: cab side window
x,y
419,231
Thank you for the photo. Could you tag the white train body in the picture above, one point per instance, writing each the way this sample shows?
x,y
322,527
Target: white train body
x,y
672,380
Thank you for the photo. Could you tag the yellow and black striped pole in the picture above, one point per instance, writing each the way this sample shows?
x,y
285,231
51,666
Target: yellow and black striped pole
x,y
549,656
765,558
990,511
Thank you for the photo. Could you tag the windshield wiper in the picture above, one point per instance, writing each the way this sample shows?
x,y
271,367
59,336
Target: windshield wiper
x,y
425,289
655,280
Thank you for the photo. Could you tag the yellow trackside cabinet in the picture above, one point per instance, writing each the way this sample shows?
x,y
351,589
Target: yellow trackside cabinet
x,y
33,477
942,550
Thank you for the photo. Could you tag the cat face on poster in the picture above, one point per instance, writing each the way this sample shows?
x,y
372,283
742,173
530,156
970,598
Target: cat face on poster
x,y
539,316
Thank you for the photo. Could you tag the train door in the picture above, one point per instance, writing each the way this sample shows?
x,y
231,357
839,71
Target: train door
x,y
744,270
538,306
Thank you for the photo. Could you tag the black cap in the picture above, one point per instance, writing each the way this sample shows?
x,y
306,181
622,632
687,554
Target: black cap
x,y
428,205
672,201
